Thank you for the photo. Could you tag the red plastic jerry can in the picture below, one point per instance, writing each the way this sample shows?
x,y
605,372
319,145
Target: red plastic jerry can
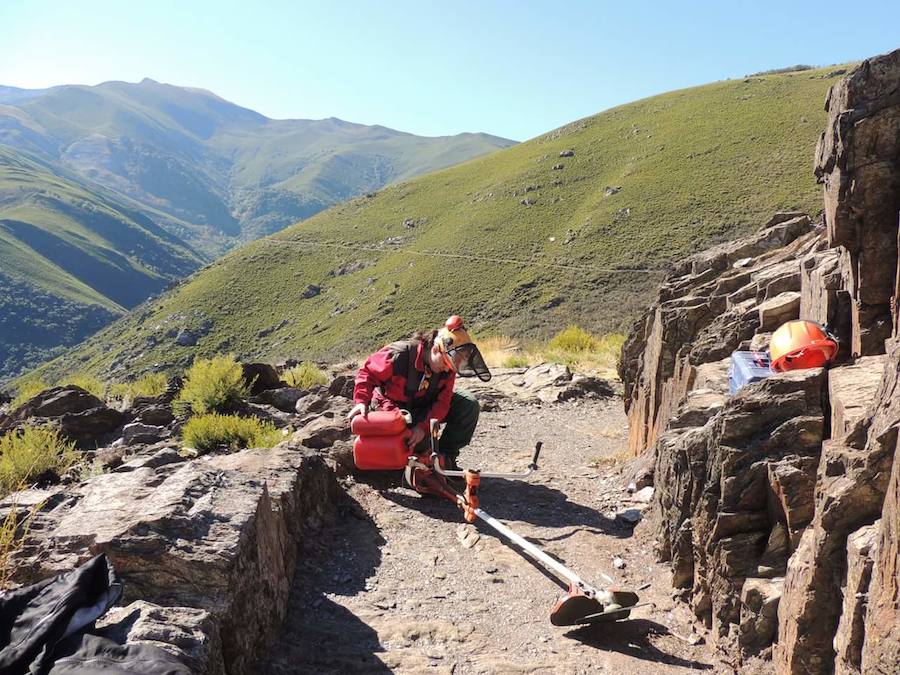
x,y
379,423
381,453
381,441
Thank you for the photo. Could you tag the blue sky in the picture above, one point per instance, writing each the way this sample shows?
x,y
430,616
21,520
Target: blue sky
x,y
514,69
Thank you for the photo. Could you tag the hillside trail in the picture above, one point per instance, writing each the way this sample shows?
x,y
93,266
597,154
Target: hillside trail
x,y
390,587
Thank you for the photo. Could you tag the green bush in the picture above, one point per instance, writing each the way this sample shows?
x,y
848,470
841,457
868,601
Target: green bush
x,y
28,453
573,340
304,376
577,348
515,361
28,390
208,432
211,385
154,384
87,382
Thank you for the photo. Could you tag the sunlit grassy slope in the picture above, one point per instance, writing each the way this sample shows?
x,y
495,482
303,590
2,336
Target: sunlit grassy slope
x,y
523,241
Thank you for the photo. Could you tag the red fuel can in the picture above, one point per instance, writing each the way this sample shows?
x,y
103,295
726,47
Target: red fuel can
x,y
381,453
381,441
379,423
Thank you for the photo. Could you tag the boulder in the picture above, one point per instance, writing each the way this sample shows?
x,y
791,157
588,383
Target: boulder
x,y
284,399
543,383
155,414
310,291
79,415
261,377
848,640
138,433
91,427
185,338
190,634
218,534
323,431
342,385
56,402
759,615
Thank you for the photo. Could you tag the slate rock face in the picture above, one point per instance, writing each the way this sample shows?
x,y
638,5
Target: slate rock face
x,y
796,477
708,306
725,503
218,535
858,160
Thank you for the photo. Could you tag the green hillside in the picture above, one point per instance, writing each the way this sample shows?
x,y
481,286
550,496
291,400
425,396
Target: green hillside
x,y
71,260
522,241
225,173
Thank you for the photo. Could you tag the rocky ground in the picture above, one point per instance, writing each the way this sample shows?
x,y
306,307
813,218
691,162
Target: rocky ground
x,y
399,584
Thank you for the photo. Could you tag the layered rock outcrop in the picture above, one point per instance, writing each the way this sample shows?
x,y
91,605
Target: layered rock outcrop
x,y
217,537
777,508
206,546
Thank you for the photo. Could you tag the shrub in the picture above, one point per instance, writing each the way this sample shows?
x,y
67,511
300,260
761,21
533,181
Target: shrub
x,y
28,390
154,384
30,453
515,361
208,432
12,536
210,385
576,347
304,376
87,382
573,340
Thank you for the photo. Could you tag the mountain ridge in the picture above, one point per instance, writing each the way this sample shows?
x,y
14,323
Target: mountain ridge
x,y
552,231
185,174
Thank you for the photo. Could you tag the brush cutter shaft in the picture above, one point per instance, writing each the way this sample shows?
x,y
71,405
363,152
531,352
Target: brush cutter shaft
x,y
487,474
542,557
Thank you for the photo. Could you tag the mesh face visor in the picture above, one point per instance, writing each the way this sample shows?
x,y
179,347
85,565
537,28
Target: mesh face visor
x,y
469,362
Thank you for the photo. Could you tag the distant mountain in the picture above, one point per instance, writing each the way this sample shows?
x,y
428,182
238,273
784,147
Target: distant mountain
x,y
224,172
576,225
71,259
110,193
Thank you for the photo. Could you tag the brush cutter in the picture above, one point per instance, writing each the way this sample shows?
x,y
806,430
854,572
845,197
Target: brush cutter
x,y
584,603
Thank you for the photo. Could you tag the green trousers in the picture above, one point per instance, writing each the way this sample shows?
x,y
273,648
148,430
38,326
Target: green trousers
x,y
459,425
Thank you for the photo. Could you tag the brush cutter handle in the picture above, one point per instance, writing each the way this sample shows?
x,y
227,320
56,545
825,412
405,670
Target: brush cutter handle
x,y
537,451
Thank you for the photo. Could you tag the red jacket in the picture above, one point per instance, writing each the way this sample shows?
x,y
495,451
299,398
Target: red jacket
x,y
388,377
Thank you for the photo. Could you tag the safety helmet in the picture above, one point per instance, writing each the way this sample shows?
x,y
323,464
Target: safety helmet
x,y
459,352
801,344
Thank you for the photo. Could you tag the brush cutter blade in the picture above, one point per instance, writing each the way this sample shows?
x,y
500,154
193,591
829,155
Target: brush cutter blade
x,y
572,609
576,608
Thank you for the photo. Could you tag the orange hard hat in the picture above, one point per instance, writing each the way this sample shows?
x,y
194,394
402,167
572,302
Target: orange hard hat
x,y
459,352
801,344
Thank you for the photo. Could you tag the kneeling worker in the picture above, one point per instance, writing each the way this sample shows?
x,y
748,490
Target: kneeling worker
x,y
418,375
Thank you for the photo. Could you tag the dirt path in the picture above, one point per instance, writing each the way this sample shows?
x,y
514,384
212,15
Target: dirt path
x,y
391,587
